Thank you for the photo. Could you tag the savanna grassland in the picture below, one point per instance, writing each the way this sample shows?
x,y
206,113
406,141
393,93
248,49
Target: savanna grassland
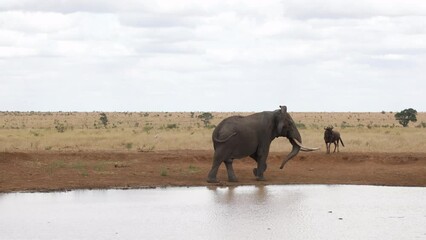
x,y
149,131
50,151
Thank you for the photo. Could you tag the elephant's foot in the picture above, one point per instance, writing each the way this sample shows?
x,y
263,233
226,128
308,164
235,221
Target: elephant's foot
x,y
260,178
255,172
212,180
232,179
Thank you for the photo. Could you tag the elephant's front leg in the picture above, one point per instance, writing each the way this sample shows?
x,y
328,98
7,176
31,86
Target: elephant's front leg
x,y
261,166
230,170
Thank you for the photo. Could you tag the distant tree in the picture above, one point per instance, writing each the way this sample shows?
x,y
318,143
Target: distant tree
x,y
206,117
104,119
405,116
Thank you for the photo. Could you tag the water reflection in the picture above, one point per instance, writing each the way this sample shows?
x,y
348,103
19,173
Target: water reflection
x,y
250,212
232,195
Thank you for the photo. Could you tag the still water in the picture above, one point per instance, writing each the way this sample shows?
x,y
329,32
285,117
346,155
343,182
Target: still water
x,y
249,212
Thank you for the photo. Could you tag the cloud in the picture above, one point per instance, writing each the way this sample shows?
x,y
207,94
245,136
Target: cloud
x,y
66,6
34,21
335,9
210,55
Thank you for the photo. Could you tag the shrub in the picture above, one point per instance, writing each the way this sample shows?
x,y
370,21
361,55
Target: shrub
x,y
345,124
421,125
60,127
147,128
164,172
103,119
193,169
172,126
129,145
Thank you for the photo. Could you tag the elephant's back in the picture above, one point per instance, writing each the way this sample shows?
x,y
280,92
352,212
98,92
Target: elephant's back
x,y
226,129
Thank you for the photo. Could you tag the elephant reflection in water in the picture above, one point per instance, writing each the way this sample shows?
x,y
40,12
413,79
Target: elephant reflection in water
x,y
234,194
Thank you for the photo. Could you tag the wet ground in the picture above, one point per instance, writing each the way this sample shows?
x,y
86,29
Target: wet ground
x,y
50,171
244,212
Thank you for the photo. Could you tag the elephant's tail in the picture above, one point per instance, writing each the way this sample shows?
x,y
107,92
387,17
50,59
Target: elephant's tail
x,y
224,140
342,142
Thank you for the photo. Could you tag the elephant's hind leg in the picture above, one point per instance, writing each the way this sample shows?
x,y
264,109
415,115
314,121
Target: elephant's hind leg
x,y
211,178
217,160
230,170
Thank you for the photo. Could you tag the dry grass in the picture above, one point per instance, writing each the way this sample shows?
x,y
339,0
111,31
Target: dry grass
x,y
140,131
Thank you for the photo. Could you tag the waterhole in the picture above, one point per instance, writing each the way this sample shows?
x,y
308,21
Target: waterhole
x,y
247,212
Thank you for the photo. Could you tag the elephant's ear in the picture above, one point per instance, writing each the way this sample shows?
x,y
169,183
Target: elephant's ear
x,y
280,126
280,119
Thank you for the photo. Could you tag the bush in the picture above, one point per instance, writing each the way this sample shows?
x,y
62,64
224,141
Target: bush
x,y
172,126
147,128
164,172
345,124
60,127
421,125
103,119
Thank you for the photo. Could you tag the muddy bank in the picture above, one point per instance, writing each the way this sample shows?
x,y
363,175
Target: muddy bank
x,y
49,171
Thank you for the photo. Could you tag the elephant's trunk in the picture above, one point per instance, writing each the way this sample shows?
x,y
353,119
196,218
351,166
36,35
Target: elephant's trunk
x,y
294,138
294,152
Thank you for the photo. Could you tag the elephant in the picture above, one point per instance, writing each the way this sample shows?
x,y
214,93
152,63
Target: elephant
x,y
237,137
331,136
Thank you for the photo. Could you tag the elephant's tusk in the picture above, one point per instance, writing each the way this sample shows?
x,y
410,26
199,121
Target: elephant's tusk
x,y
308,150
303,148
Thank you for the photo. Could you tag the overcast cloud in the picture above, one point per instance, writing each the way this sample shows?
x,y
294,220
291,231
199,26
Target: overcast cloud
x,y
189,55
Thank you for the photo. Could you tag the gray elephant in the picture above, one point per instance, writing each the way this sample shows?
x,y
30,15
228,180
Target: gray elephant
x,y
237,137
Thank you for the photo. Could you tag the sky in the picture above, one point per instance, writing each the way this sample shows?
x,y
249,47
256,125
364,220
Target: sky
x,y
212,55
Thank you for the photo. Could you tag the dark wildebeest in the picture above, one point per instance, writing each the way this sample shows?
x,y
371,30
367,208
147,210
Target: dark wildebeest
x,y
331,136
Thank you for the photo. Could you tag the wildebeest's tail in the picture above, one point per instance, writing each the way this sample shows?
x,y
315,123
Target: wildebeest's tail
x,y
342,142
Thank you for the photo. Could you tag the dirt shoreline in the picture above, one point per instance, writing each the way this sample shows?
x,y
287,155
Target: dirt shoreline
x,y
61,171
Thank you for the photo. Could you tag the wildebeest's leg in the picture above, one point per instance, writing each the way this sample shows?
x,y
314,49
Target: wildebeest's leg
x,y
336,145
337,142
217,160
230,170
327,145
